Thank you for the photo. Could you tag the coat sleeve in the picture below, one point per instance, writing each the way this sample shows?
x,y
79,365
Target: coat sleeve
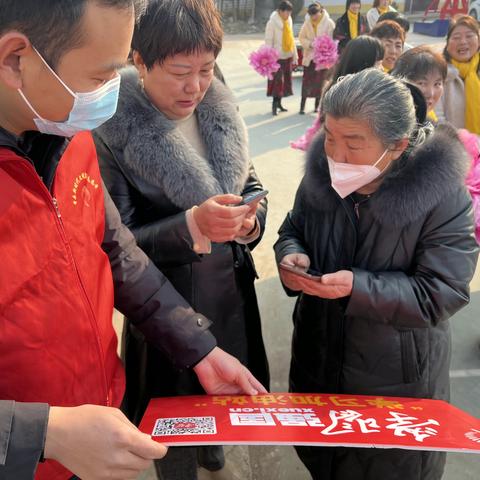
x,y
252,185
149,300
438,284
270,34
304,39
23,427
291,233
166,241
372,17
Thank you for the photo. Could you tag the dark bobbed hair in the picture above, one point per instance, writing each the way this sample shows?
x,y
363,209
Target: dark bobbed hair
x,y
388,29
419,62
54,27
396,17
285,6
457,21
314,8
349,2
170,27
360,53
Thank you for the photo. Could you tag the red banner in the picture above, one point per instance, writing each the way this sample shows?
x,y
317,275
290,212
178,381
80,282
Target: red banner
x,y
312,419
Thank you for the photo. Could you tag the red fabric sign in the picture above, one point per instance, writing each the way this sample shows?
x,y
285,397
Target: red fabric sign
x,y
312,419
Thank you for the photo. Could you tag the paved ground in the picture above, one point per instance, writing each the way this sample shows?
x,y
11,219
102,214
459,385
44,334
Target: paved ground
x,y
280,169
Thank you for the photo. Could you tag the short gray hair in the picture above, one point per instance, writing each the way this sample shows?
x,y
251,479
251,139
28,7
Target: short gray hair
x,y
376,97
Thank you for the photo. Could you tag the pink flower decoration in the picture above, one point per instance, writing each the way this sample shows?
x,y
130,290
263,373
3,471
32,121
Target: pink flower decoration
x,y
265,61
325,52
471,143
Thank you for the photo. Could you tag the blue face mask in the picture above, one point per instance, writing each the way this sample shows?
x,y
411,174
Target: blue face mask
x,y
89,111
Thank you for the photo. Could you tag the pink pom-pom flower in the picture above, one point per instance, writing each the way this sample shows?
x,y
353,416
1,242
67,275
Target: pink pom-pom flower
x,y
265,61
325,52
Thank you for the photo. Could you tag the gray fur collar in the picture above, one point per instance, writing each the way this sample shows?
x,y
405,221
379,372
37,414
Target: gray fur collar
x,y
415,184
154,150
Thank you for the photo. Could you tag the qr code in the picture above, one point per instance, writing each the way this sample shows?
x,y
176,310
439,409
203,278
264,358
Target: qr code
x,y
185,426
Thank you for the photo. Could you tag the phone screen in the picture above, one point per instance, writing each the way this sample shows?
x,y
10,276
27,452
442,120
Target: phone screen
x,y
309,274
252,197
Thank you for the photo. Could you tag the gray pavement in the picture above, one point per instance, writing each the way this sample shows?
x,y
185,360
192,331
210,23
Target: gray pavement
x,y
280,169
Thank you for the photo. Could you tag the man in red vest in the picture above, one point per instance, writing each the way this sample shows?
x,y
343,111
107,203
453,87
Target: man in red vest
x,y
66,258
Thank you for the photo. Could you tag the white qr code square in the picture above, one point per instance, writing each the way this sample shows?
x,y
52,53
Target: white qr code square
x,y
185,426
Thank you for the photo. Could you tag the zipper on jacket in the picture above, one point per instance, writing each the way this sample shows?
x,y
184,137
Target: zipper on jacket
x,y
53,202
353,220
356,205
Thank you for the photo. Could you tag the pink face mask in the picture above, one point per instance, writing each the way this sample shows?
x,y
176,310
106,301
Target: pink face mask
x,y
348,178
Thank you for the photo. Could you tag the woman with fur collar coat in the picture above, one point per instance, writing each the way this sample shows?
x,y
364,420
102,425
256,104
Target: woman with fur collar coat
x,y
393,235
175,160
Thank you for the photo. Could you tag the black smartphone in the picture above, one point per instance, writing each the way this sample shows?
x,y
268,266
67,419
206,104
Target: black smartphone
x,y
310,274
252,197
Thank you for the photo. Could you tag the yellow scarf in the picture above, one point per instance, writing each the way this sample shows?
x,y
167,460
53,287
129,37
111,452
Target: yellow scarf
x,y
288,42
468,71
385,69
316,22
431,115
382,10
353,22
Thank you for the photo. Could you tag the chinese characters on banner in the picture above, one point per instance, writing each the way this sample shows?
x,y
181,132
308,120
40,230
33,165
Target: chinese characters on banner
x,y
312,419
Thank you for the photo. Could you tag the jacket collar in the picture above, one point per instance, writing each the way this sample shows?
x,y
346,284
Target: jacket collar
x,y
10,141
158,153
42,151
416,182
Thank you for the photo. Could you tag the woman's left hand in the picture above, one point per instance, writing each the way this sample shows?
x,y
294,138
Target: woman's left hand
x,y
330,285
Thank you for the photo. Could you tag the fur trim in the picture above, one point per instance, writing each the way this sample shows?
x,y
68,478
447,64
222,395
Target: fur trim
x,y
415,184
158,153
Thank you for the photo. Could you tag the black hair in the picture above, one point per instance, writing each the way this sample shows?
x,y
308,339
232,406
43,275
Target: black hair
x,y
418,62
360,53
53,27
396,17
349,2
314,8
285,6
419,102
170,27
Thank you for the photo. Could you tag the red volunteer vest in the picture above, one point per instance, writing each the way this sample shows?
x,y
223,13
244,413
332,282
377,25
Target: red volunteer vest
x,y
57,341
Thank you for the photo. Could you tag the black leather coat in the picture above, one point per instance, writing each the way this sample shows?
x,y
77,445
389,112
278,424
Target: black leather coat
x,y
342,30
154,176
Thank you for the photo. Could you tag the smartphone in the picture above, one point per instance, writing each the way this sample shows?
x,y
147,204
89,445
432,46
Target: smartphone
x,y
310,274
252,197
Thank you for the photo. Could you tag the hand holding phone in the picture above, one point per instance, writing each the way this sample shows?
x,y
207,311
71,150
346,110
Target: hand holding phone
x,y
309,274
253,197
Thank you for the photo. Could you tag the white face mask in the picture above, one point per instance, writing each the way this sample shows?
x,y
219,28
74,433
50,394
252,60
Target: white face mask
x,y
348,178
89,111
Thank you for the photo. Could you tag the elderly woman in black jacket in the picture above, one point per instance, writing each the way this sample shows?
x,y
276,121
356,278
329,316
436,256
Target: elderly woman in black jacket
x,y
384,214
175,160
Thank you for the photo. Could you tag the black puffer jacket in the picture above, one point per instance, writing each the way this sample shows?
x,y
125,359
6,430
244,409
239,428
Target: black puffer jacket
x,y
342,30
154,175
411,248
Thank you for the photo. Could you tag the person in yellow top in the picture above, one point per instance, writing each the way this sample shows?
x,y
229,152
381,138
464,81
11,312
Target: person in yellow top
x,y
350,25
379,8
317,23
279,35
460,104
